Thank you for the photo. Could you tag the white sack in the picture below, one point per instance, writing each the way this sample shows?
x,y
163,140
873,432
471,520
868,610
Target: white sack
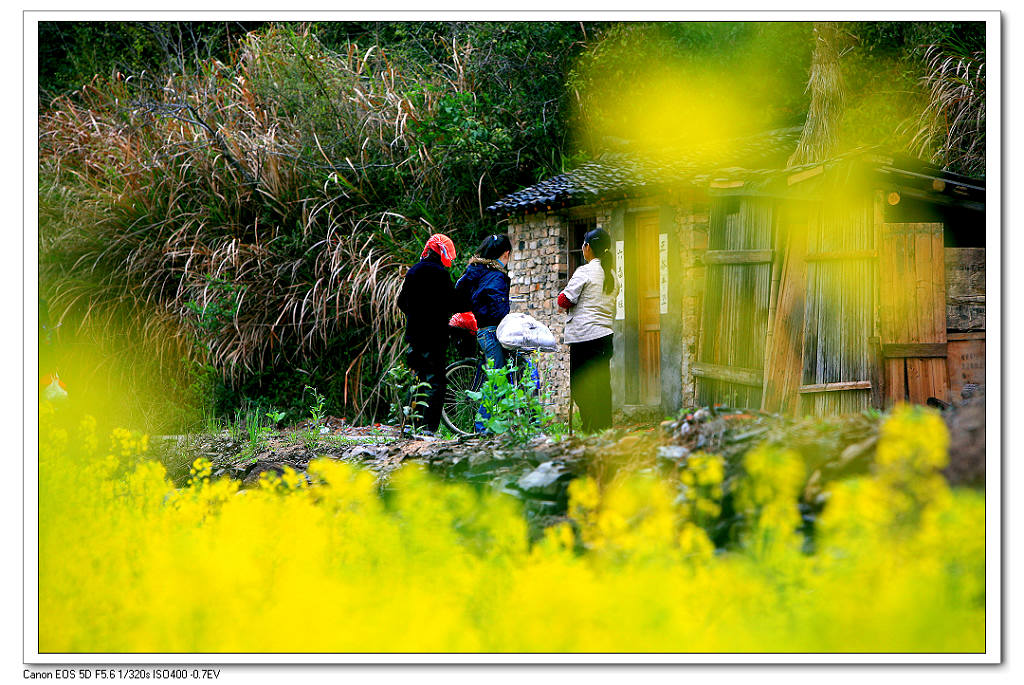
x,y
519,331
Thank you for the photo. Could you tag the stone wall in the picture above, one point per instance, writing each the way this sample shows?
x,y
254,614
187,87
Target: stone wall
x,y
692,219
538,259
539,270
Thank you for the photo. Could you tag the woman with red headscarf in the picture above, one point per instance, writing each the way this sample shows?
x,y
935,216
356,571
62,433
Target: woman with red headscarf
x,y
428,300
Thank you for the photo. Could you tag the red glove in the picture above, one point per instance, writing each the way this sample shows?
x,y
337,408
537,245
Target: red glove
x,y
464,320
564,302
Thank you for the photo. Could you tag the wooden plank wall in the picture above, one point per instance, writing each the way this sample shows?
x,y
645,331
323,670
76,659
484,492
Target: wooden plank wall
x,y
965,363
965,288
737,294
913,312
839,310
965,320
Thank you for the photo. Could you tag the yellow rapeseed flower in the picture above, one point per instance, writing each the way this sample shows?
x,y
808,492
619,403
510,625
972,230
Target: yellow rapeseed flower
x,y
130,563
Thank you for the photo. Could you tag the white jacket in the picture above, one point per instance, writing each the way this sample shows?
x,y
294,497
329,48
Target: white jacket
x,y
591,316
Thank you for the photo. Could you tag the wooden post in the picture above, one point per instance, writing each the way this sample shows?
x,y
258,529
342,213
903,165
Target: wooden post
x,y
877,374
570,410
779,242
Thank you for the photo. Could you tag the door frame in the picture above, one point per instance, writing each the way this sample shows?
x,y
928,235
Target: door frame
x,y
626,362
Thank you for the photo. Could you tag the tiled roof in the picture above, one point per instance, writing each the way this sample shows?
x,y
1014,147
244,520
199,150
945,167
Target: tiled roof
x,y
614,175
759,162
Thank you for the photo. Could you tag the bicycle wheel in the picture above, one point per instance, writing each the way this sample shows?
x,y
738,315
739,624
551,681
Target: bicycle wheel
x,y
458,411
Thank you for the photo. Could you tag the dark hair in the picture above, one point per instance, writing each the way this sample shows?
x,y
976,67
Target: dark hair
x,y
600,243
494,246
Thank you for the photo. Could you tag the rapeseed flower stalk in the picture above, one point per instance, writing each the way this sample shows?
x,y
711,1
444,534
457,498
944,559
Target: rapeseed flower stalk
x,y
323,562
702,479
906,517
907,492
768,498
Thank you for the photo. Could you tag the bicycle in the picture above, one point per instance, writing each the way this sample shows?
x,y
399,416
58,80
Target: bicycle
x,y
458,411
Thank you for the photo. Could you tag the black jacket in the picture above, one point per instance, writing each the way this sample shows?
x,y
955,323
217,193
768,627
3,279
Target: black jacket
x,y
428,300
486,286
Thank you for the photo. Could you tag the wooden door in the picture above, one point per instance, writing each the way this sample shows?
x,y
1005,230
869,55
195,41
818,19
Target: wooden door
x,y
648,294
841,264
730,366
913,313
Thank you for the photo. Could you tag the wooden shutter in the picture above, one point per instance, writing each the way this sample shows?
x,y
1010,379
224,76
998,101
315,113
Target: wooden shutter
x,y
913,313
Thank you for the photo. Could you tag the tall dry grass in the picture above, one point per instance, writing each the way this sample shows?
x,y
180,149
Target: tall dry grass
x,y
951,130
272,188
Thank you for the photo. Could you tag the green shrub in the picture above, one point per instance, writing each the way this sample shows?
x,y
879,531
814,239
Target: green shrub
x,y
509,405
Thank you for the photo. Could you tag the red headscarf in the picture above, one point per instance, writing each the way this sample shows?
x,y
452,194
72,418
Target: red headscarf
x,y
442,245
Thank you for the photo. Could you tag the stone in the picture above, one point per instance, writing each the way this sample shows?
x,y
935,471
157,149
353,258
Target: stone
x,y
543,479
628,443
482,457
252,477
673,453
362,452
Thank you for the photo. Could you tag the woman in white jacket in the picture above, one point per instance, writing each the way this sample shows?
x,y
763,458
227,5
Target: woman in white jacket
x,y
589,301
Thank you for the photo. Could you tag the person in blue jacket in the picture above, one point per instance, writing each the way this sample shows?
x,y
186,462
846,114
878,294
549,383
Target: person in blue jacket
x,y
486,286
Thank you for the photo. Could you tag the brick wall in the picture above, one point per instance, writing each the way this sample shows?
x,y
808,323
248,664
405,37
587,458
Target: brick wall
x,y
692,220
538,259
539,270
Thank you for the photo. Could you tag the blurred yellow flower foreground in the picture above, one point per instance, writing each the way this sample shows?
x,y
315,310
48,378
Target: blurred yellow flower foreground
x,y
129,564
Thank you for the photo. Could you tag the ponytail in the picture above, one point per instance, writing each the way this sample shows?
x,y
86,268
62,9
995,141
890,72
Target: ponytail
x,y
600,243
494,246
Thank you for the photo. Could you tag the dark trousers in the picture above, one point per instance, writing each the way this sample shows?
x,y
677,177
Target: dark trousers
x,y
590,381
429,366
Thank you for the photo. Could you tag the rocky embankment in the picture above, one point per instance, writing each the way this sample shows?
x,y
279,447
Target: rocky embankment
x,y
538,471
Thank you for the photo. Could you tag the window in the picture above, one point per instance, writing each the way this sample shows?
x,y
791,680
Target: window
x,y
576,229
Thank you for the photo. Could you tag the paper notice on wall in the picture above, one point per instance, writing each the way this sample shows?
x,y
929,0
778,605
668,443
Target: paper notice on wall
x,y
663,270
620,299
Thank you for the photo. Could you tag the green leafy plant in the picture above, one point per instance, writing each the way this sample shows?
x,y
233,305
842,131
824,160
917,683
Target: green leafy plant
x,y
211,425
236,428
509,406
410,396
258,427
311,436
215,304
316,409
